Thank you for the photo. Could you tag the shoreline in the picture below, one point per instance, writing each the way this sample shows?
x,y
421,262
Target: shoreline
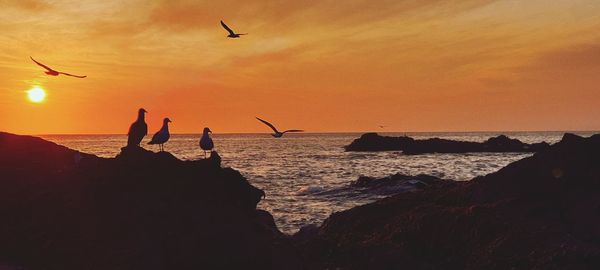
x,y
75,197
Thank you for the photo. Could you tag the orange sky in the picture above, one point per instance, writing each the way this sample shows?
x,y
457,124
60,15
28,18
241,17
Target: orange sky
x,y
431,65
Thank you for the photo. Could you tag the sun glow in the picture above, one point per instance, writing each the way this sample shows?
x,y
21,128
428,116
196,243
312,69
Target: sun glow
x,y
36,94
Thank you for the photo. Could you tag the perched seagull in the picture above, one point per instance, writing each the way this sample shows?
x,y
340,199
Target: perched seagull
x,y
206,143
162,136
53,72
231,33
137,130
276,133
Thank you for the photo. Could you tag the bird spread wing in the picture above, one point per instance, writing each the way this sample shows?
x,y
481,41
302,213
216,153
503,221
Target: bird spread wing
x,y
268,124
72,75
41,65
227,28
293,130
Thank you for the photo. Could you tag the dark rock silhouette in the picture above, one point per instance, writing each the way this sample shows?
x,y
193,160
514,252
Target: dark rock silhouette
x,y
410,146
542,212
369,188
62,209
397,183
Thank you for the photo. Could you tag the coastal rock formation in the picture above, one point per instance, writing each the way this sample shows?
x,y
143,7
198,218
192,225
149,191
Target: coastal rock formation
x,y
62,209
542,212
398,183
371,188
410,146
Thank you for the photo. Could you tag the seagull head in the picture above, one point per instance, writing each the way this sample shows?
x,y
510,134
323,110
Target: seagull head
x,y
207,130
167,120
142,111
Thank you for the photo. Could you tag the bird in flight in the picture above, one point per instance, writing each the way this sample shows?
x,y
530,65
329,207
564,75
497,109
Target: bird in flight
x,y
381,126
53,72
231,33
276,133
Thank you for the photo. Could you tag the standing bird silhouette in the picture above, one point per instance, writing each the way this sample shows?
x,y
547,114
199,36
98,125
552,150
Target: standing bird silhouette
x,y
231,33
138,129
53,72
206,143
162,136
276,133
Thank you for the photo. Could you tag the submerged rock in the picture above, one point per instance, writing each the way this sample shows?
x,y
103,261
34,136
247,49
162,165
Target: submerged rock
x,y
542,212
410,146
398,183
62,209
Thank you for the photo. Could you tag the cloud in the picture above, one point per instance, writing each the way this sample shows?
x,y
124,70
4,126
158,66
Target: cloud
x,y
578,58
190,15
29,5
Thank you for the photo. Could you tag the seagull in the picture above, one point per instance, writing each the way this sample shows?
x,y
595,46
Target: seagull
x,y
276,133
231,33
162,136
137,130
380,126
53,72
206,143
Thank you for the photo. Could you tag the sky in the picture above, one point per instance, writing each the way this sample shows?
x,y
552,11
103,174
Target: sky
x,y
322,66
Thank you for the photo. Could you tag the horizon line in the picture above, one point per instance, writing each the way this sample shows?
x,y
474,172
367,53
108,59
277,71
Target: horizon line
x,y
324,132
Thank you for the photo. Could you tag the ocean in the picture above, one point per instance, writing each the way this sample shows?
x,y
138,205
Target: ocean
x,y
301,172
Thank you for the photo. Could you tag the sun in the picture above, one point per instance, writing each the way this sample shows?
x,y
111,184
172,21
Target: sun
x,y
36,94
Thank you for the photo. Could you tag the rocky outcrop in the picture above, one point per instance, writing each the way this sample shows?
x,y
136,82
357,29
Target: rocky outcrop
x,y
62,209
410,146
542,212
398,183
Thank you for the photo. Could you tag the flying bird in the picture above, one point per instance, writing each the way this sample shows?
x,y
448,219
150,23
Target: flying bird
x,y
162,136
276,133
381,126
137,130
206,143
231,33
53,72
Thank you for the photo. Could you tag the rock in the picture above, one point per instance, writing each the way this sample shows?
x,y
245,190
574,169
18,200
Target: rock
x,y
375,142
62,209
306,233
542,212
398,183
410,146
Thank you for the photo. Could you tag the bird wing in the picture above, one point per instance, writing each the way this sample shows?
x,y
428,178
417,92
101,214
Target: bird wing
x,y
268,124
227,28
72,75
41,65
293,130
